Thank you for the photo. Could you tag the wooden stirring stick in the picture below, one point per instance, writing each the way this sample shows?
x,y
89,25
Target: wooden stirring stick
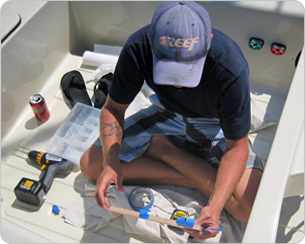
x,y
151,217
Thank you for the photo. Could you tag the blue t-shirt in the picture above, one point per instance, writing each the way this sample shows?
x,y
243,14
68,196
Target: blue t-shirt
x,y
223,91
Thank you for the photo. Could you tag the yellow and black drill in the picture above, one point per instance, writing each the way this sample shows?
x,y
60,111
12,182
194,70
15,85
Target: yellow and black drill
x,y
34,192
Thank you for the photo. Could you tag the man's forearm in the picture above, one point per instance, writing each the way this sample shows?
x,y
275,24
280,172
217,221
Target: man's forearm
x,y
229,173
111,133
111,137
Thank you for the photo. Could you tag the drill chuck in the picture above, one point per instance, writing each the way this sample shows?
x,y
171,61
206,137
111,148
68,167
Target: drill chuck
x,y
35,156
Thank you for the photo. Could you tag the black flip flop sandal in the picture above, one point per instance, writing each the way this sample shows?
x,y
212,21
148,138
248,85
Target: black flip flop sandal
x,y
74,89
101,90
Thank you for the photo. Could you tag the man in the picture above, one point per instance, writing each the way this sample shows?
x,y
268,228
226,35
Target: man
x,y
196,132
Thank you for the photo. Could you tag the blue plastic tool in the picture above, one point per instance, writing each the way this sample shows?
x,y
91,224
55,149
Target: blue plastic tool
x,y
55,209
216,229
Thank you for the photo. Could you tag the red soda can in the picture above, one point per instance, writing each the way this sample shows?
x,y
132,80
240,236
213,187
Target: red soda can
x,y
39,107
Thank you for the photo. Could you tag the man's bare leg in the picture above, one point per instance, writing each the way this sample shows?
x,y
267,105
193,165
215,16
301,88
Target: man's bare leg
x,y
140,171
180,168
203,175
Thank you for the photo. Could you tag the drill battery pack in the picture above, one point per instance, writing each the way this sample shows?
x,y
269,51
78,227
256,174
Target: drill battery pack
x,y
30,191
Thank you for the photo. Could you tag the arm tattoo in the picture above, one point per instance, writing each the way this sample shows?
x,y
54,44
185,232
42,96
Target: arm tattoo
x,y
112,129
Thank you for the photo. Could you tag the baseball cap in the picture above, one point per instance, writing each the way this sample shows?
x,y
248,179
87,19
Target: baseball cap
x,y
180,37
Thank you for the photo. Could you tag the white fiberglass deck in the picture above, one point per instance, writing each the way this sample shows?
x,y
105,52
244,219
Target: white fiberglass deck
x,y
31,134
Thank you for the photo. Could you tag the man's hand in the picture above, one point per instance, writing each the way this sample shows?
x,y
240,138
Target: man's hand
x,y
112,174
208,219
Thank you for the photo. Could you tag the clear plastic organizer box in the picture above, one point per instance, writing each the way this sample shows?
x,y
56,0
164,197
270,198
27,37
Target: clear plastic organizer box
x,y
77,133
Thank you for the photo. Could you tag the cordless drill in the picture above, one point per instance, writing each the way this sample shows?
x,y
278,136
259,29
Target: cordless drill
x,y
34,192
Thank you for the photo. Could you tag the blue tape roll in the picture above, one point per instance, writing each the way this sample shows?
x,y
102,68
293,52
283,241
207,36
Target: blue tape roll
x,y
141,190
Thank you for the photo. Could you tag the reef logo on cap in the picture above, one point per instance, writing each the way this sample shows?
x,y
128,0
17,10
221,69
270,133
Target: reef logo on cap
x,y
188,43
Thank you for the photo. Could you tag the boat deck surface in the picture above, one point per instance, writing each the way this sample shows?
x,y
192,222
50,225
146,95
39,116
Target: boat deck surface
x,y
52,228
